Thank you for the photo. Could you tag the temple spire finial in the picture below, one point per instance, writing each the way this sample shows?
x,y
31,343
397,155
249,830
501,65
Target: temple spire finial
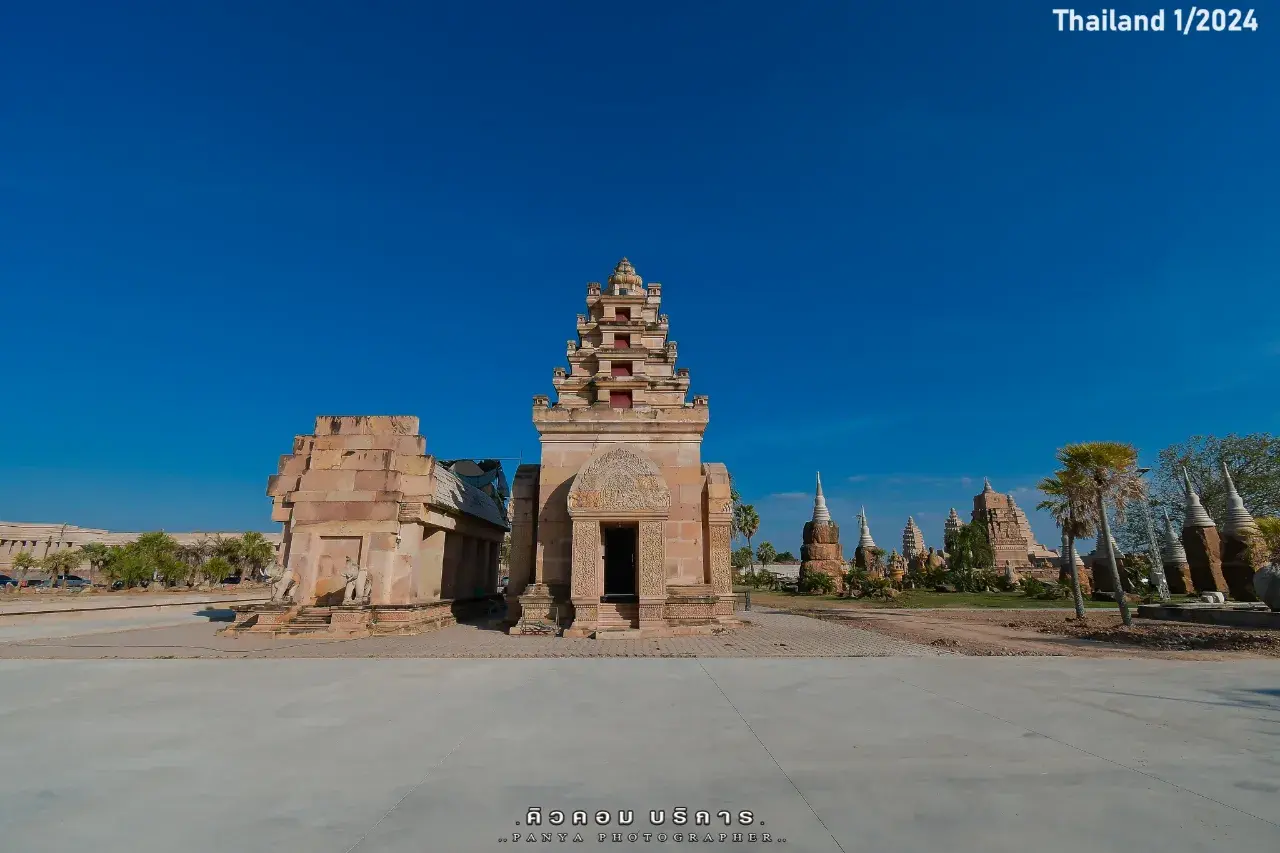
x,y
1196,515
820,513
1238,518
624,278
864,540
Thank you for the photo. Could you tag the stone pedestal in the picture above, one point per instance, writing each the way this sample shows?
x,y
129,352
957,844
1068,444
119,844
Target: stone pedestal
x,y
1204,556
820,552
538,611
1240,562
349,619
1178,576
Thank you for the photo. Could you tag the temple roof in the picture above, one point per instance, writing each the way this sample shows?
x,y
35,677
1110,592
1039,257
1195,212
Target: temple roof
x,y
624,277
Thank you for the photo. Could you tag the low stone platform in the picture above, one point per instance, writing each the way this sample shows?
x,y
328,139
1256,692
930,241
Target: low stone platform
x,y
352,621
1246,615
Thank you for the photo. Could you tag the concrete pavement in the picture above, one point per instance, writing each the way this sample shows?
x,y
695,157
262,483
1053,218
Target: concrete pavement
x,y
891,755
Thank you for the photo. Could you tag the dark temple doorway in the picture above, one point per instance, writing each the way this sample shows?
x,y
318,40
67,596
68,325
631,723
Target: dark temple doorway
x,y
620,564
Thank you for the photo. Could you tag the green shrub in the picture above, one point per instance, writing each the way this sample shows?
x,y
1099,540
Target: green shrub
x,y
817,582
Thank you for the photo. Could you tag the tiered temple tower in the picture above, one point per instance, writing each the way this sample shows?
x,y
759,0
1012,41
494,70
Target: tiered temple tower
x,y
952,526
622,356
621,526
913,545
1012,542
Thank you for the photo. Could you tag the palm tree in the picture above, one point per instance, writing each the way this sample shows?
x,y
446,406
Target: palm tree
x,y
60,563
1106,472
1069,505
746,521
97,554
256,553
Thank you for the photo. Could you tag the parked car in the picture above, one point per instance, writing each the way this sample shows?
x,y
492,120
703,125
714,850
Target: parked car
x,y
5,580
72,582
231,579
35,583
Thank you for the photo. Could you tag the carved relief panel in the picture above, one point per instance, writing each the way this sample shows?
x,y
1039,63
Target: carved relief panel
x,y
587,565
653,558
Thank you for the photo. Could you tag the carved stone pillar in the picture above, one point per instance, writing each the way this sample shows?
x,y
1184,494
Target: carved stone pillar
x,y
653,574
721,571
586,580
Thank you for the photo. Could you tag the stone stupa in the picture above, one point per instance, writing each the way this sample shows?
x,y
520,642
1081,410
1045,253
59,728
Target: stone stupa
x,y
1242,552
1177,571
1200,539
820,543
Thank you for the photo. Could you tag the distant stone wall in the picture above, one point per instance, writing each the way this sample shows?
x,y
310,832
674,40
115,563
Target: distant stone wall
x,y
41,539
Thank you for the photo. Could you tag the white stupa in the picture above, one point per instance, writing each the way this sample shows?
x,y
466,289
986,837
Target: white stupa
x,y
820,513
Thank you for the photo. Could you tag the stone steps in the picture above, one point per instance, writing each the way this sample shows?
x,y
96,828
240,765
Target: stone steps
x,y
618,616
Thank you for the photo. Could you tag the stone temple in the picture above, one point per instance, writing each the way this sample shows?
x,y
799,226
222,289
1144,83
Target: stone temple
x,y
379,536
1012,542
621,529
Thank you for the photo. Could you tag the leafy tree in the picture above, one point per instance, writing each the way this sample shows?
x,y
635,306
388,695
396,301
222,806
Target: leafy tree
x,y
152,556
746,521
217,568
97,554
23,562
786,557
1270,528
1107,471
741,558
765,553
970,548
61,562
1254,461
256,553
1067,501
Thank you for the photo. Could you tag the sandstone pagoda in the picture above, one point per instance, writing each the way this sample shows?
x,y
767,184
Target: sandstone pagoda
x,y
621,527
820,549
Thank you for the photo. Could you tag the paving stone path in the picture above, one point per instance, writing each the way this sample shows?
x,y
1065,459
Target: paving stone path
x,y
766,635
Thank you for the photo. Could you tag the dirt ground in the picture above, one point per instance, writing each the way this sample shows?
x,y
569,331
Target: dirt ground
x,y
1056,632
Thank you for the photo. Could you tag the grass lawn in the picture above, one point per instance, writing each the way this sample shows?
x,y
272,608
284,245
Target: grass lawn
x,y
920,598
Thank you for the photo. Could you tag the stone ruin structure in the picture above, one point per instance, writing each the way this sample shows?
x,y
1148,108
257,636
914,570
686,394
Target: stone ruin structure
x,y
1177,571
1013,544
1202,544
621,529
378,536
820,551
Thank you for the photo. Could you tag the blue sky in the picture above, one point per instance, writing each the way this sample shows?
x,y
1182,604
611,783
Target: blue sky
x,y
910,245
